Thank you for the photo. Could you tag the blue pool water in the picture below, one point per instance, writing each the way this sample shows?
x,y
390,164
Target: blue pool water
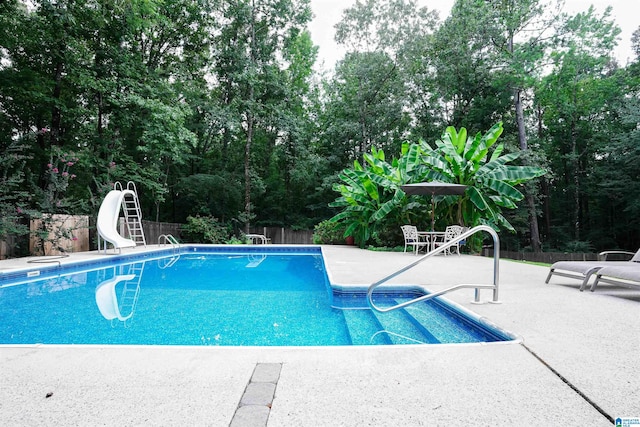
x,y
214,296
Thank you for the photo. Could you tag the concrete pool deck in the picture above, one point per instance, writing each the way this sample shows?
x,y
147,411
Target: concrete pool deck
x,y
578,364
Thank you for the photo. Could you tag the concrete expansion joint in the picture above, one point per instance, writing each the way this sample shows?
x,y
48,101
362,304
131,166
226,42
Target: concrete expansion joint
x,y
256,401
570,385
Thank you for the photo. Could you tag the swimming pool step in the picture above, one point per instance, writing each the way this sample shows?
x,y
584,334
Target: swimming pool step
x,y
368,327
364,328
402,328
441,324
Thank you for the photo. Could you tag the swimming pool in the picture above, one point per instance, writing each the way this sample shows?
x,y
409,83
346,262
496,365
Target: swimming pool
x,y
219,296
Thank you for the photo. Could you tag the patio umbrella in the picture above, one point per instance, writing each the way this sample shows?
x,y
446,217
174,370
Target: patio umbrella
x,y
433,188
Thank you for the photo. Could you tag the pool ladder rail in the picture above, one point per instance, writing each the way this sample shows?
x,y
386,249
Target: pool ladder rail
x,y
163,239
168,238
494,286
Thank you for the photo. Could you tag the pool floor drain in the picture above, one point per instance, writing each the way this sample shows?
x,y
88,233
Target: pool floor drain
x,y
256,401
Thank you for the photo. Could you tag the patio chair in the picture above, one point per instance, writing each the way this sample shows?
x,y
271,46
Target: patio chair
x,y
583,270
450,233
411,238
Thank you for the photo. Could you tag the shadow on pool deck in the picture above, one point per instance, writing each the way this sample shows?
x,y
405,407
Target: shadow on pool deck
x,y
586,370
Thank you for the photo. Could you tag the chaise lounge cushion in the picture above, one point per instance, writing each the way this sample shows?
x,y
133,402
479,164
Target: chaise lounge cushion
x,y
583,270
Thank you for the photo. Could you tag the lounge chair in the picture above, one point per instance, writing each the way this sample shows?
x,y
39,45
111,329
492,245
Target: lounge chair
x,y
583,270
627,274
411,238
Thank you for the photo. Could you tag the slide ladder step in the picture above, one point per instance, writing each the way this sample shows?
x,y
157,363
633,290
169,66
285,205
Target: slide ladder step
x,y
133,215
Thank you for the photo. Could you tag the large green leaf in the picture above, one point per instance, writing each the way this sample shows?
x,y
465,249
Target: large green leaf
x,y
497,152
515,174
411,158
457,140
477,198
503,189
388,206
371,189
475,149
492,135
497,163
505,202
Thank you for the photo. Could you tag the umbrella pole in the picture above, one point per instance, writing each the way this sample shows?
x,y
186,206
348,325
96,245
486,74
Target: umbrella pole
x,y
433,213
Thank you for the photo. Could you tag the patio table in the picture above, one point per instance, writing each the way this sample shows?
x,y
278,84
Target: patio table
x,y
431,237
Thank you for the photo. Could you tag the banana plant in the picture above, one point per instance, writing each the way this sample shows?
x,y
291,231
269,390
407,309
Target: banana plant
x,y
371,198
475,162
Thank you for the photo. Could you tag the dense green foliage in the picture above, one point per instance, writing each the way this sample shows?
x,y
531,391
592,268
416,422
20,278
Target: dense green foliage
x,y
374,206
215,110
485,169
328,233
199,229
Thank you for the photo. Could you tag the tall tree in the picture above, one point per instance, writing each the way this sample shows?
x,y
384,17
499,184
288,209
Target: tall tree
x,y
579,100
251,53
365,106
374,87
104,79
518,32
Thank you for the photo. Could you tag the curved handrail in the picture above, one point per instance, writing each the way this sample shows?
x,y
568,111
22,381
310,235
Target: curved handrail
x,y
463,236
168,238
395,334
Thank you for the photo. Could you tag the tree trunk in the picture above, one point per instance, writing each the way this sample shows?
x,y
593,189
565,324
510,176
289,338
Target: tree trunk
x,y
56,114
363,122
250,120
576,183
247,170
531,204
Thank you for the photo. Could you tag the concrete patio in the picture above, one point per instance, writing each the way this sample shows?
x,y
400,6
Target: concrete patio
x,y
578,364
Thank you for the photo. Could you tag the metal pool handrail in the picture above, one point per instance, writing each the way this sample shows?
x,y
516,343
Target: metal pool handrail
x,y
463,236
168,238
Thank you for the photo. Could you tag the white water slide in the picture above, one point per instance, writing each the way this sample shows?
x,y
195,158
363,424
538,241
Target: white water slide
x,y
107,298
108,220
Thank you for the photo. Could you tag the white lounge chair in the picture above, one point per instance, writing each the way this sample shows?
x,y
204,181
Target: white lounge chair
x,y
583,270
412,238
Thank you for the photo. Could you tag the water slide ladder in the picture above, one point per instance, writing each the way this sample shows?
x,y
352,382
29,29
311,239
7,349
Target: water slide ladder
x,y
130,291
494,286
132,213
117,294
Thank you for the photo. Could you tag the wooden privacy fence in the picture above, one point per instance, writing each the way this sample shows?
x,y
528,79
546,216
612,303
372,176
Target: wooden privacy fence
x,y
545,257
7,247
77,233
281,235
153,230
278,235
57,234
